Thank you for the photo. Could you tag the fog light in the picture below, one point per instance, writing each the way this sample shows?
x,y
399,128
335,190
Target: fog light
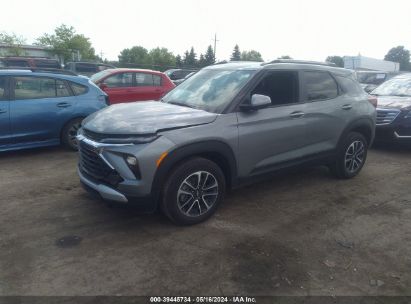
x,y
131,160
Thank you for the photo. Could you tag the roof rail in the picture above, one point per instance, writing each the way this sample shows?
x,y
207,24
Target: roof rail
x,y
41,70
302,62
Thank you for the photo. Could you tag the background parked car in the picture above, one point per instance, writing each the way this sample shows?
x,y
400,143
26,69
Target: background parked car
x,y
179,81
369,80
43,109
128,85
175,74
87,68
394,109
29,62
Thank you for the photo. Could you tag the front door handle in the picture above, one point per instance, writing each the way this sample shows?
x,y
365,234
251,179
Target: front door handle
x,y
346,107
297,114
63,105
2,111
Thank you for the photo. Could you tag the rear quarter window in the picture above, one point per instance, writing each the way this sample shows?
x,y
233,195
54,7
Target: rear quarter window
x,y
78,89
319,86
349,86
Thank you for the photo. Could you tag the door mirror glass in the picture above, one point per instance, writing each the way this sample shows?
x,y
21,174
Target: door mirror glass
x,y
258,101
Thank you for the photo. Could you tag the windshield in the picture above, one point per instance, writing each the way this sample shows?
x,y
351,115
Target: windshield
x,y
209,90
394,87
371,78
96,77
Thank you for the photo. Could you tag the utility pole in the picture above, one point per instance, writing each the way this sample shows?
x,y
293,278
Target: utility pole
x,y
101,55
215,45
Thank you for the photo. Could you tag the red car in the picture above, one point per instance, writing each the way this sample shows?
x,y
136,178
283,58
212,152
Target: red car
x,y
128,85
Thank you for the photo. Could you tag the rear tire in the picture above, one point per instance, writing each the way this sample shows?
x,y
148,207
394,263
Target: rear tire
x,y
193,191
351,156
69,133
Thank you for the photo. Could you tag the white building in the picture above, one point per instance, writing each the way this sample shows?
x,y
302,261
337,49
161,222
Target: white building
x,y
367,63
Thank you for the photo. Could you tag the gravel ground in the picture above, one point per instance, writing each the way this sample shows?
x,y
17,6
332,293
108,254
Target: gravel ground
x,y
301,233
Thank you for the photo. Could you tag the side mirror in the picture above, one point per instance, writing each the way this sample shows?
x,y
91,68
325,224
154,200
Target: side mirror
x,y
257,102
103,86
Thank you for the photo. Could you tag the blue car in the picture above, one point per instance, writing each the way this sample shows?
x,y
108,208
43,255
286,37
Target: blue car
x,y
40,109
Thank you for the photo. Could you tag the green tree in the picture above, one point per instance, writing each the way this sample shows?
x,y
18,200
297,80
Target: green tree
x,y
190,58
201,62
209,57
401,55
66,43
15,42
179,61
236,54
337,60
135,55
162,57
284,57
251,56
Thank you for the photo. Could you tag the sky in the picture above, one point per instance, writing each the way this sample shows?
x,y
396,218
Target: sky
x,y
309,30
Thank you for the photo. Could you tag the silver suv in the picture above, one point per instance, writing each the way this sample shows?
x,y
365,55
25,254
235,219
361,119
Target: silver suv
x,y
223,126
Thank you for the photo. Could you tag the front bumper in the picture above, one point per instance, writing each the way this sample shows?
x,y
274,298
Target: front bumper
x,y
104,191
395,132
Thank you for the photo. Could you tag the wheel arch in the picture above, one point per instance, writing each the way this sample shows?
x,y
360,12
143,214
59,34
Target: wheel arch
x,y
364,126
214,150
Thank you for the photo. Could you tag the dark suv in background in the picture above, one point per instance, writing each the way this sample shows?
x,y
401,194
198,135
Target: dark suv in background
x,y
394,110
226,124
29,62
87,68
176,74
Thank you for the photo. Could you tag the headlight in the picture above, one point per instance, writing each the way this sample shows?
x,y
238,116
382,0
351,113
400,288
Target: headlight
x,y
130,140
132,163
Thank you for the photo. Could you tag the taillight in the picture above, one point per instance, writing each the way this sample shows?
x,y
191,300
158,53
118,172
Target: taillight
x,y
373,100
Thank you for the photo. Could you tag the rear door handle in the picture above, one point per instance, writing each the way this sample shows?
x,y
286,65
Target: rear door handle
x,y
346,107
297,114
63,105
2,111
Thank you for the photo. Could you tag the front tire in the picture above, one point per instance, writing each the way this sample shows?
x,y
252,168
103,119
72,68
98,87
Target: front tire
x,y
69,133
351,156
193,191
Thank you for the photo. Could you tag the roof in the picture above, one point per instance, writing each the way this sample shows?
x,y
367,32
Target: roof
x,y
280,64
21,72
116,70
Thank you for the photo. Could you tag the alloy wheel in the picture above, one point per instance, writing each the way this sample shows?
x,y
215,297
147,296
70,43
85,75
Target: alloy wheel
x,y
354,156
197,194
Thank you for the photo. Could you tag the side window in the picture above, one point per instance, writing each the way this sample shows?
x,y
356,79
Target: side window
x,y
86,68
3,88
78,89
61,89
281,86
319,86
144,79
157,80
349,86
34,87
119,80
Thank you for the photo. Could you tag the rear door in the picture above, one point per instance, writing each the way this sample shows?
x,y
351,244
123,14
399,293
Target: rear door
x,y
144,87
328,110
119,87
39,108
5,135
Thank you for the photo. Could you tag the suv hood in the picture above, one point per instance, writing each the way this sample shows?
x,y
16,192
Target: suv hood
x,y
144,118
396,102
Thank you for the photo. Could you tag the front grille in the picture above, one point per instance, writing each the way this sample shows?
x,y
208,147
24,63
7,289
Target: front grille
x,y
386,116
95,167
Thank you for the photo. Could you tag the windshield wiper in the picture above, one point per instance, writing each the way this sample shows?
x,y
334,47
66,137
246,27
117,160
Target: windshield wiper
x,y
402,95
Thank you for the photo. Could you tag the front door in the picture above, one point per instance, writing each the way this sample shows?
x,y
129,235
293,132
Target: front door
x,y
5,135
274,135
38,109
